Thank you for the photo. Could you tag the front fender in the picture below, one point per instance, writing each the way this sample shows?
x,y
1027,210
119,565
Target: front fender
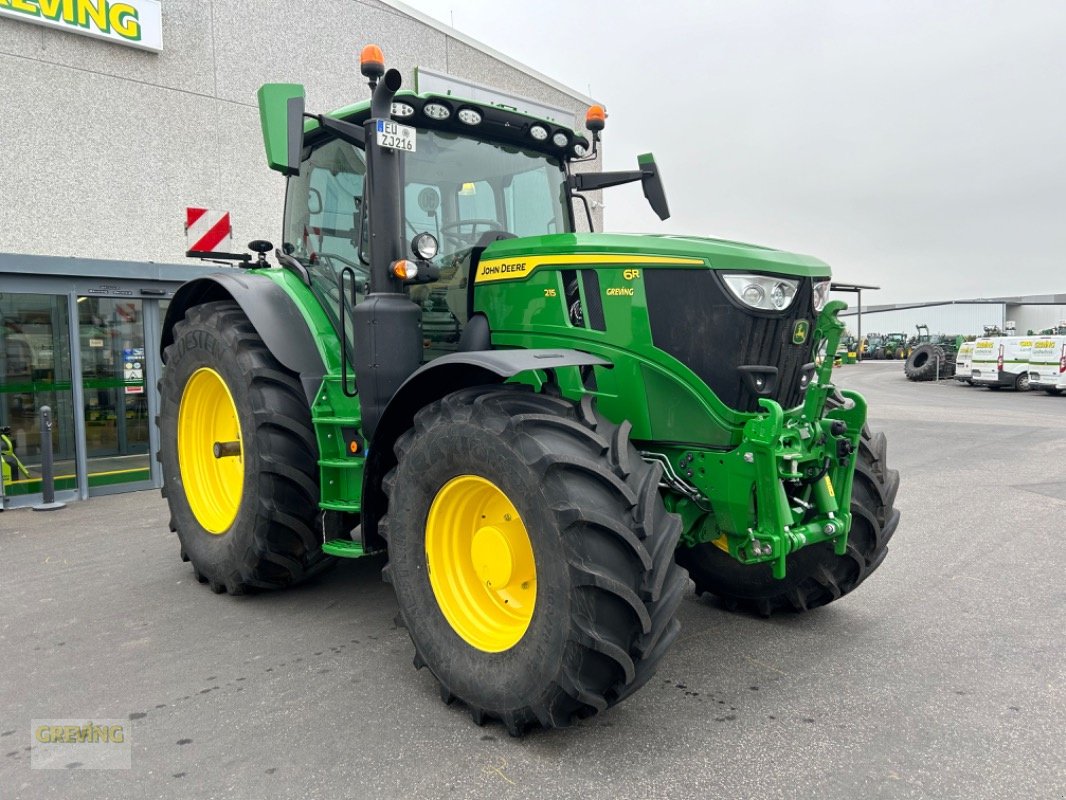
x,y
431,382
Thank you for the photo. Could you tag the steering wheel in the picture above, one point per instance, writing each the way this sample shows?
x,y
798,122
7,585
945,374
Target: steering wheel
x,y
452,231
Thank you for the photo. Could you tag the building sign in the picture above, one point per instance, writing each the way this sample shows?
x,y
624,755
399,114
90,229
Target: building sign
x,y
135,23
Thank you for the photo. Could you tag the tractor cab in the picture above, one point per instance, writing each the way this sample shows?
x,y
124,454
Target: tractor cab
x,y
459,194
454,176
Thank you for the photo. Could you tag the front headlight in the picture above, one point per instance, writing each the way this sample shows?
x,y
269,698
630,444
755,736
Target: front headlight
x,y
764,292
821,294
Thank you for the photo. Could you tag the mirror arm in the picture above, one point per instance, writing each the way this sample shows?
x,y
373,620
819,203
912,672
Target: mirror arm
x,y
587,181
345,131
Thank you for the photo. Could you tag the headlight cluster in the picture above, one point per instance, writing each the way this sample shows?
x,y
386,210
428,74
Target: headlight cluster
x,y
772,293
764,292
821,294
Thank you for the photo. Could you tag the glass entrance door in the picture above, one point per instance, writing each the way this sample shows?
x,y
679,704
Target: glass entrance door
x,y
111,333
34,372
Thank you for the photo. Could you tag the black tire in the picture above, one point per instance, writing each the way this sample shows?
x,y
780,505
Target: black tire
x,y
922,363
1054,392
272,542
607,585
815,575
1021,383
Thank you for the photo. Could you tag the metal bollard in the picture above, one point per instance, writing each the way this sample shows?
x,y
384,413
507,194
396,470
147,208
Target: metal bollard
x,y
48,482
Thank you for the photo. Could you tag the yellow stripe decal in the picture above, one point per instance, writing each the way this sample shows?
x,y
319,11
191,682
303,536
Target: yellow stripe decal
x,y
509,269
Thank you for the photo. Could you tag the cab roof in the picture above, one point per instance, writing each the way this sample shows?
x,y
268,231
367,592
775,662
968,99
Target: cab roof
x,y
497,123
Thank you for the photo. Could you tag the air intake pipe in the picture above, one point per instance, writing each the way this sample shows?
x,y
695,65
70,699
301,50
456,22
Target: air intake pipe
x,y
387,326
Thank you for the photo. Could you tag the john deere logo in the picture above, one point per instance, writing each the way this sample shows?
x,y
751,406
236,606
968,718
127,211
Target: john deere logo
x,y
800,331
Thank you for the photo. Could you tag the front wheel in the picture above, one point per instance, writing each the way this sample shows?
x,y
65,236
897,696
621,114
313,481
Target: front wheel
x,y
531,556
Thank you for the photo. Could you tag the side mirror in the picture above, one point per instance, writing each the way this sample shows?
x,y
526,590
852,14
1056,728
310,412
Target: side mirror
x,y
281,113
652,185
648,175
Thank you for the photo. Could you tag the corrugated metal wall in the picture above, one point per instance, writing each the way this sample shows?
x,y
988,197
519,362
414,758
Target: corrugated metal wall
x,y
953,319
1035,318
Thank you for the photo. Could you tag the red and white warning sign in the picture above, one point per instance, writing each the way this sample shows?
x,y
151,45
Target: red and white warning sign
x,y
208,231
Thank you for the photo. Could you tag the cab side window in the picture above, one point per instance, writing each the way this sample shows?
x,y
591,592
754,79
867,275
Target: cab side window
x,y
322,208
530,211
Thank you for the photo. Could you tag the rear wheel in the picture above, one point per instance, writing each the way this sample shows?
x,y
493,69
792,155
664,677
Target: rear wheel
x,y
1021,383
531,556
239,456
816,575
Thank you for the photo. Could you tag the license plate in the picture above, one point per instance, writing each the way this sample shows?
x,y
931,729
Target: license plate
x,y
396,136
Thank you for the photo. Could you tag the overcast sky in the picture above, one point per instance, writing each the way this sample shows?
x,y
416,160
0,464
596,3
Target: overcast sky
x,y
919,146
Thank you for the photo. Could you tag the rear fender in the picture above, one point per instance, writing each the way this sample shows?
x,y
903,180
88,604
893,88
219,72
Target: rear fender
x,y
272,313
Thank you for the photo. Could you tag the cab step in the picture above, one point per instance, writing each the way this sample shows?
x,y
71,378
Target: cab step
x,y
343,548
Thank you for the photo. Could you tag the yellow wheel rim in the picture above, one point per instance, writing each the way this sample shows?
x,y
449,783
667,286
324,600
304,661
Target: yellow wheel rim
x,y
207,417
481,564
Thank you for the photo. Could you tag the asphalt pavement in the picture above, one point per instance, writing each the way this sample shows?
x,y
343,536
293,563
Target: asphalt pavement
x,y
943,676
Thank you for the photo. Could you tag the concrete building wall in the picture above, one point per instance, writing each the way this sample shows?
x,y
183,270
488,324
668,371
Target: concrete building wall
x,y
105,146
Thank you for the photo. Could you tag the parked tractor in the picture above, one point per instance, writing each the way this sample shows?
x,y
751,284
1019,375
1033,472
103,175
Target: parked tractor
x,y
544,432
896,346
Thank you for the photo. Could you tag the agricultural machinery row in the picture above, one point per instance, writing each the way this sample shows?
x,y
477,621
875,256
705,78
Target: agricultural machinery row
x,y
995,360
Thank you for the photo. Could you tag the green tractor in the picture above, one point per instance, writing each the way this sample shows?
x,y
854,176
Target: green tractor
x,y
896,346
874,347
545,432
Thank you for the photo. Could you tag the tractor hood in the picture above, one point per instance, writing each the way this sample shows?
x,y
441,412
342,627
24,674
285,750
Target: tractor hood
x,y
715,253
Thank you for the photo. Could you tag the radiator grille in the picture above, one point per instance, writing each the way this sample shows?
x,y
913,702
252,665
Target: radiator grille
x,y
694,319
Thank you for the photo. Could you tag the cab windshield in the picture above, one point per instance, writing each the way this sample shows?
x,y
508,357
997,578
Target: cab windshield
x,y
456,188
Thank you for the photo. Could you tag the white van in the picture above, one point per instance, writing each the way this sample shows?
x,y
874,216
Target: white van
x,y
1047,364
1000,361
964,363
